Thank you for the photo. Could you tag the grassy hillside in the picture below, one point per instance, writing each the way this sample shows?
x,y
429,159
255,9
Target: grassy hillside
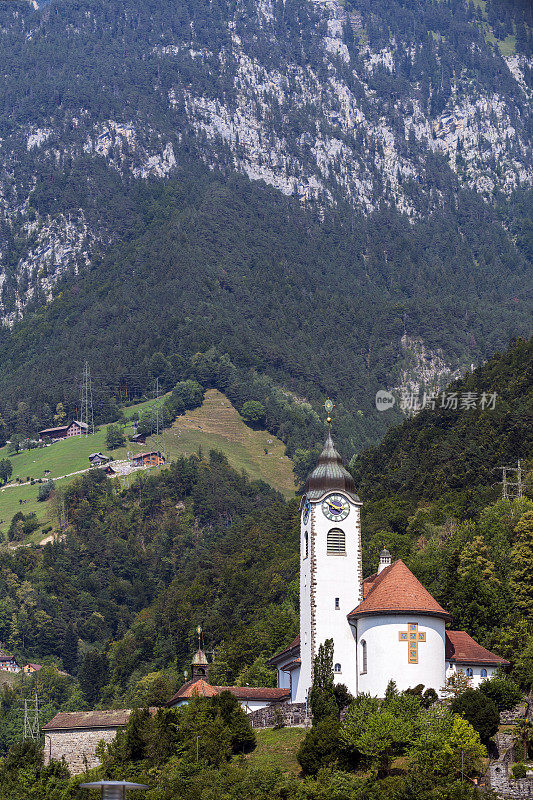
x,y
61,459
276,750
217,425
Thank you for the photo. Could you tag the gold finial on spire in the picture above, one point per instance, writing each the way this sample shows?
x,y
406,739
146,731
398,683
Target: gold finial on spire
x,y
199,632
329,405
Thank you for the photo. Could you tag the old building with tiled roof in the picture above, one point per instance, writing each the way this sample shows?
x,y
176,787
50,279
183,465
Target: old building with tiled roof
x,y
384,627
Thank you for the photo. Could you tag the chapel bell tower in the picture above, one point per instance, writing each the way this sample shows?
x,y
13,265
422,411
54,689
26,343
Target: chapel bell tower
x,y
330,568
200,665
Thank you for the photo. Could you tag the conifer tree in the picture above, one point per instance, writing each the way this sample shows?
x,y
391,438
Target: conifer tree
x,y
322,697
521,577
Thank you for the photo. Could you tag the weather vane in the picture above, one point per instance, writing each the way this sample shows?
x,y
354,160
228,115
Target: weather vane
x,y
329,405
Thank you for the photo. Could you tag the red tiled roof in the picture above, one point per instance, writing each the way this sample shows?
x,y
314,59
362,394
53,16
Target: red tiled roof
x,y
204,689
368,584
256,692
69,720
200,687
462,649
286,651
395,591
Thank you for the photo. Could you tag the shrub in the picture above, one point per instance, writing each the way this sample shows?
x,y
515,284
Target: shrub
x,y
479,710
504,692
45,490
320,748
114,437
519,770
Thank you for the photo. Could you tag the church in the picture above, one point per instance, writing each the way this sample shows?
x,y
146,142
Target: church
x,y
384,627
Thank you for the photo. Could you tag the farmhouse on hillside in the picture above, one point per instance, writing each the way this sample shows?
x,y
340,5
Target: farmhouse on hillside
x,y
74,428
151,459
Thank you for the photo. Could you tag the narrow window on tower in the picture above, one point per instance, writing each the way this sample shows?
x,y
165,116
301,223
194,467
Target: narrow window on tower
x,y
336,542
306,544
363,657
337,604
337,667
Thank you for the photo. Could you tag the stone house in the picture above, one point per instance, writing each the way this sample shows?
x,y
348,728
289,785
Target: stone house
x,y
74,736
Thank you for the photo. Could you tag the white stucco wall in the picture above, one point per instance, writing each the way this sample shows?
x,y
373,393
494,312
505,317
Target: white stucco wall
x,y
477,669
387,656
246,705
335,576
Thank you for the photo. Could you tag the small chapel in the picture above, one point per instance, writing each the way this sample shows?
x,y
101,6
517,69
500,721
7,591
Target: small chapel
x,y
384,627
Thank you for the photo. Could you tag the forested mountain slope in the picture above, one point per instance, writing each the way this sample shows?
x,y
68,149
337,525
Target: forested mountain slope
x,y
322,307
399,129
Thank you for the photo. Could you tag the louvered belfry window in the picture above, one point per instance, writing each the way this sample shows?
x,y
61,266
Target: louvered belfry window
x,y
336,542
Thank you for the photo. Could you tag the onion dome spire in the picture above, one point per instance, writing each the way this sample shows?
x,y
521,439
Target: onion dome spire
x,y
330,475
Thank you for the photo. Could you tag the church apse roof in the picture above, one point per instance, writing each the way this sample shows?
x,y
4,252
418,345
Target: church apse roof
x,y
330,475
395,590
462,649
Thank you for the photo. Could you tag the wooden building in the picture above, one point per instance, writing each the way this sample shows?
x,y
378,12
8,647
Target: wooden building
x,y
151,459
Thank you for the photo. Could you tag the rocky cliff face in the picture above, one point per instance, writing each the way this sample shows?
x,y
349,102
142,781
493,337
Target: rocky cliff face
x,y
332,102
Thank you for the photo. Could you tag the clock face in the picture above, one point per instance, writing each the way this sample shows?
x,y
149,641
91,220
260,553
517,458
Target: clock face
x,y
306,511
335,507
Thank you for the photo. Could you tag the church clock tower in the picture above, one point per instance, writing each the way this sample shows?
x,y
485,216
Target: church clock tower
x,y
330,569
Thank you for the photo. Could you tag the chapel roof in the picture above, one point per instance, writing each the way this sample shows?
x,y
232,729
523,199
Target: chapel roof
x,y
204,689
462,649
330,474
395,590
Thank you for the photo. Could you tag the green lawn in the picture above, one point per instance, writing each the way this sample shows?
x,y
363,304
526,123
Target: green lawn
x,y
277,749
60,458
217,425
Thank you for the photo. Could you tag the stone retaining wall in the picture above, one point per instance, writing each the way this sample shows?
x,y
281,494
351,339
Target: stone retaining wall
x,y
77,747
505,786
287,713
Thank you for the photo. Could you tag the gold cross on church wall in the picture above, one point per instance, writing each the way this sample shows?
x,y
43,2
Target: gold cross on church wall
x,y
412,636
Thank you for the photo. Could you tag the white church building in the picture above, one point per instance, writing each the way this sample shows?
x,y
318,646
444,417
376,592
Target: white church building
x,y
386,626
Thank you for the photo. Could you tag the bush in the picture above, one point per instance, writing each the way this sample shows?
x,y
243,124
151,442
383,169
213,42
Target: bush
x,y
320,748
519,770
114,437
504,692
45,490
479,710
253,412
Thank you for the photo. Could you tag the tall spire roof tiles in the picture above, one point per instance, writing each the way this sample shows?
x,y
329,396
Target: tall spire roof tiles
x,y
330,475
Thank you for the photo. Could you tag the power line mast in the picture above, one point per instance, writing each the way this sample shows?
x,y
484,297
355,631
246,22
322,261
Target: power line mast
x,y
31,721
86,402
512,482
157,420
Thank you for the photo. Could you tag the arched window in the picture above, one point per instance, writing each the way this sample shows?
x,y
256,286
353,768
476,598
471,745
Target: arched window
x,y
337,668
483,673
306,544
363,657
336,542
469,672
